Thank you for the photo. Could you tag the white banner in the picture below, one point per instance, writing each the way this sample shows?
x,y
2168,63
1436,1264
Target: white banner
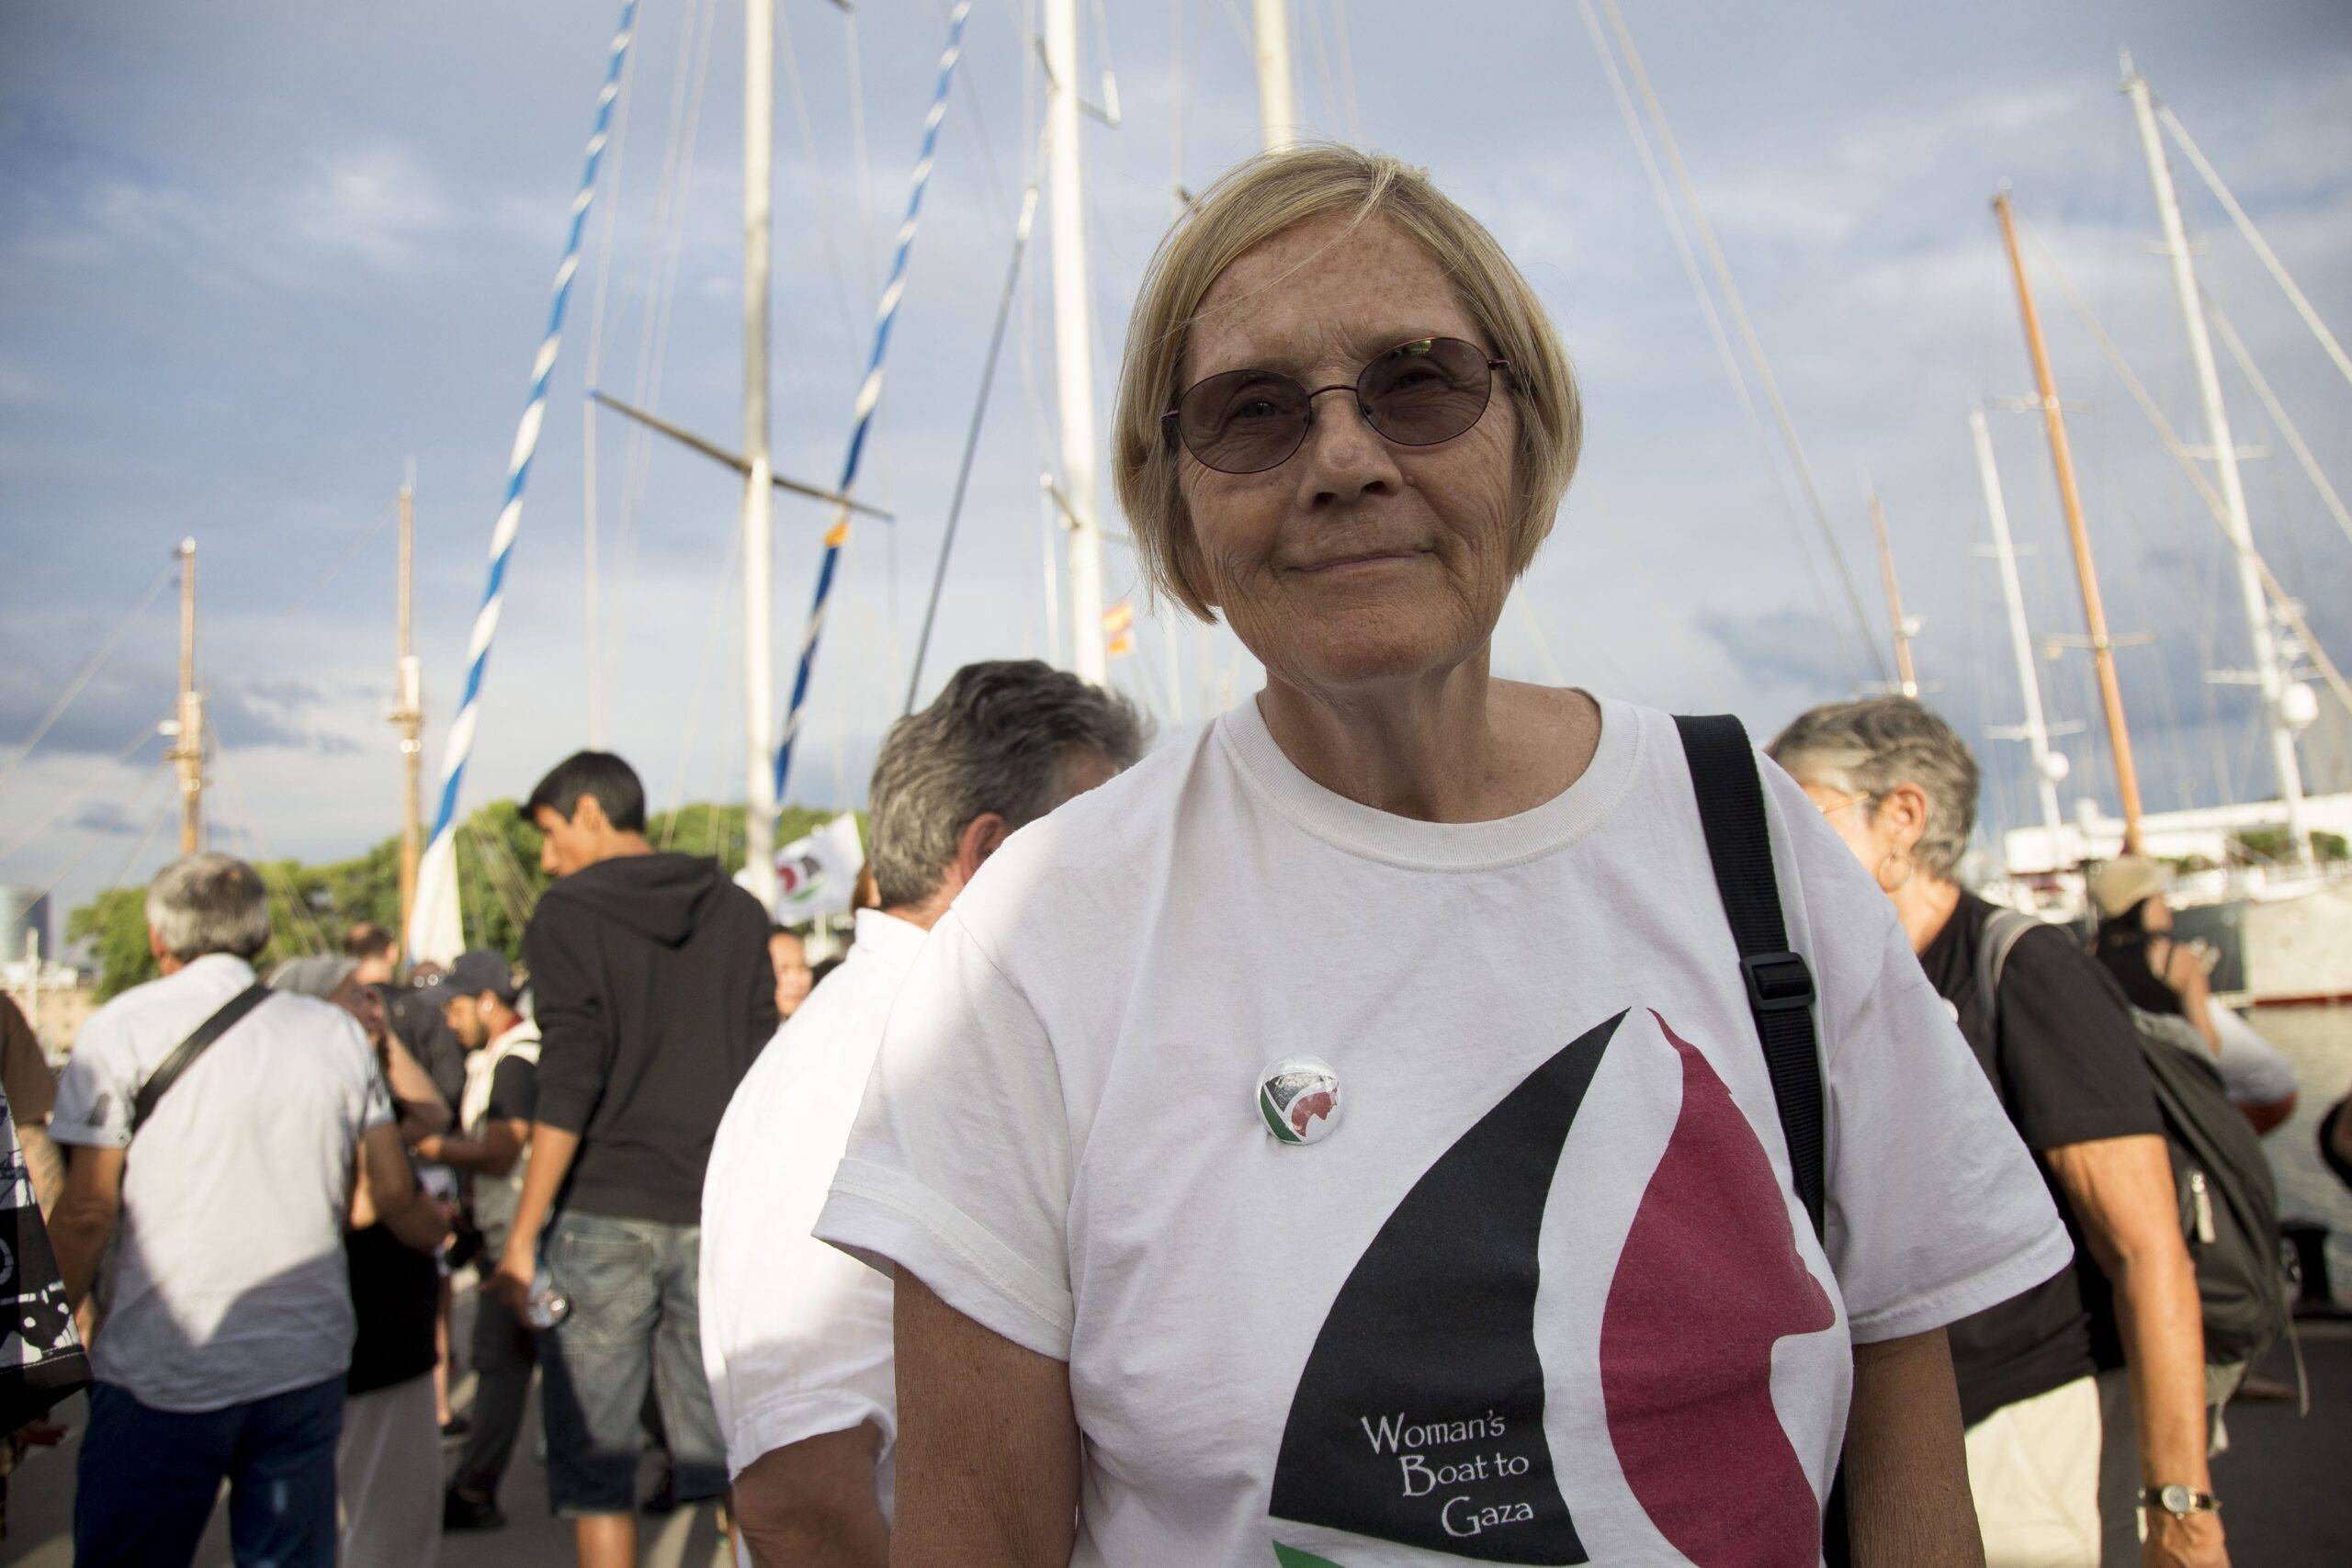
x,y
435,933
818,874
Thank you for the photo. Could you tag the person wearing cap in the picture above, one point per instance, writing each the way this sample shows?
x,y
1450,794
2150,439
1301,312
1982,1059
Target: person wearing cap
x,y
480,1000
2084,1396
2160,975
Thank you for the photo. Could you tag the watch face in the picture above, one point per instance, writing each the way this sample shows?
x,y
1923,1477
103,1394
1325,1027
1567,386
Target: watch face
x,y
2177,1499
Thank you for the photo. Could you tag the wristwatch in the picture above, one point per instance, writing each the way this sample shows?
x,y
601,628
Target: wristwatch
x,y
2177,1500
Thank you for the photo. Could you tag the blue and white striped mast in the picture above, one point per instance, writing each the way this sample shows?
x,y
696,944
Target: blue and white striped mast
x,y
435,931
869,394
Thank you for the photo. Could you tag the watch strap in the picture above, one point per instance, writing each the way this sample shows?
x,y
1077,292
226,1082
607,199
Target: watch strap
x,y
2179,1501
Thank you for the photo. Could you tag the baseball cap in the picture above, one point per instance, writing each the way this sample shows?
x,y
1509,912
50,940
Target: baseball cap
x,y
2127,880
478,971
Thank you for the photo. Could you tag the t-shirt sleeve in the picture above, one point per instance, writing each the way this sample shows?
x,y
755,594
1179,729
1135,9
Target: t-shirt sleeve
x,y
514,1090
957,1168
2069,1057
1935,1209
94,1094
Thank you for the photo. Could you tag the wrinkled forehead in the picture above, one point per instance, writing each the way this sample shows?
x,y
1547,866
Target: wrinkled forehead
x,y
1323,296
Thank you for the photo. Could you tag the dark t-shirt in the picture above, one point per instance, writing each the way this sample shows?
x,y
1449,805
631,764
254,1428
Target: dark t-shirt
x,y
2067,1067
417,1017
513,1090
514,1095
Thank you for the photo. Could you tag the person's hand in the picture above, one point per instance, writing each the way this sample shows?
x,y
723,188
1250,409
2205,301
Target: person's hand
x,y
511,1282
40,1432
2193,1542
429,1147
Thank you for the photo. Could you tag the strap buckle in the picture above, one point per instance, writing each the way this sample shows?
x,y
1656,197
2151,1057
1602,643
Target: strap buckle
x,y
1777,981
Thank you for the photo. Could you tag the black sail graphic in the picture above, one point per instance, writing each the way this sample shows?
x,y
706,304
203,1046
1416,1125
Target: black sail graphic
x,y
1418,1418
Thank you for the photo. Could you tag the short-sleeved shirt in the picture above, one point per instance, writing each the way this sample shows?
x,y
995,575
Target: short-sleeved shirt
x,y
2065,1063
226,1280
796,1335
1541,1290
501,1085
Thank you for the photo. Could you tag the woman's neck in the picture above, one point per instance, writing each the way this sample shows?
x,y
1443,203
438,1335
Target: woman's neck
x,y
1454,746
1925,905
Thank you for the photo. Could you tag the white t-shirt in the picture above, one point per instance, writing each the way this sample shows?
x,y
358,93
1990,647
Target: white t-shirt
x,y
795,1337
1545,1293
226,1279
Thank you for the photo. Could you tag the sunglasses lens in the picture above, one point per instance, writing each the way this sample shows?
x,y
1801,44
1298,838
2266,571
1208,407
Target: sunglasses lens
x,y
1243,422
1418,394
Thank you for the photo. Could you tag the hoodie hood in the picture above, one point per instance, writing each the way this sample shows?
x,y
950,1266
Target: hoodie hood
x,y
661,896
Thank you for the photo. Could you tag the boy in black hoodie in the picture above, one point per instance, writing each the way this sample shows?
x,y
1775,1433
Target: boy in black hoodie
x,y
654,992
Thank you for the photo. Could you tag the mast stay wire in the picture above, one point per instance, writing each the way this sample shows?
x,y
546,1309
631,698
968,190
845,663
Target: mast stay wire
x,y
88,786
589,572
2277,412
162,812
1706,297
2280,600
1347,70
262,860
2277,268
89,672
1764,376
661,266
825,225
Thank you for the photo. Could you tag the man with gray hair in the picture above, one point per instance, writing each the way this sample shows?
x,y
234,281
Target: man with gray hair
x,y
226,1321
796,1335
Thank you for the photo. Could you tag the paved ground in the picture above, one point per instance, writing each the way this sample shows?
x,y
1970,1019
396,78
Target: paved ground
x,y
2287,1491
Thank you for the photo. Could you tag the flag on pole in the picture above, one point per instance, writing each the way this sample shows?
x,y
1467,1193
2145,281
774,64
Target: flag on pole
x,y
1119,629
818,874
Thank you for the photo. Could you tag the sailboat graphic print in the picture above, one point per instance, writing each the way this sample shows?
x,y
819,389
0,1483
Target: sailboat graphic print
x,y
1419,1416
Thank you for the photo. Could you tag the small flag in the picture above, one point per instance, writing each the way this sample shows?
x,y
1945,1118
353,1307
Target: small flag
x,y
818,874
1119,629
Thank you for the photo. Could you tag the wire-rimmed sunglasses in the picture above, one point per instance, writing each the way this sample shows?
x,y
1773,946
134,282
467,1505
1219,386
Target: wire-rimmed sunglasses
x,y
1416,394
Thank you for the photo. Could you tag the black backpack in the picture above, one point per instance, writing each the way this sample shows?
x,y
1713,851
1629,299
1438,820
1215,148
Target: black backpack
x,y
2229,1201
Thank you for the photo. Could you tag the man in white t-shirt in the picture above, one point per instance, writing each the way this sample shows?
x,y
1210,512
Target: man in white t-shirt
x,y
797,1336
227,1321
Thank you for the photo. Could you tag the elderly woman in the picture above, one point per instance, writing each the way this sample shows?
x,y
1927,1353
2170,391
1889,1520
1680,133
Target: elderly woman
x,y
2039,1387
1344,1137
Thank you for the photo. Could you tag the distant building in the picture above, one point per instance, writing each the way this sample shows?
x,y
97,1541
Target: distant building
x,y
24,911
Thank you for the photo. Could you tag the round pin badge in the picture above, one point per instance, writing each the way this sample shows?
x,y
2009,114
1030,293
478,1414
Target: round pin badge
x,y
1299,1099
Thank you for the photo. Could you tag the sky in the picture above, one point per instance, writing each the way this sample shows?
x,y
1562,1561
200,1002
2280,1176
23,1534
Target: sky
x,y
259,258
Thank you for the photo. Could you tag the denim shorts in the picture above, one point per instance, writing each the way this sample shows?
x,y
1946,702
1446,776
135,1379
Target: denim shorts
x,y
634,1321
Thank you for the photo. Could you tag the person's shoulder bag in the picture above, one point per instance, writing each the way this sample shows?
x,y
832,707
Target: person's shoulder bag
x,y
184,1054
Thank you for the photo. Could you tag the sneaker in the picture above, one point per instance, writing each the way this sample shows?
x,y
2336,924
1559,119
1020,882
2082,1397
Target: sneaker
x,y
462,1511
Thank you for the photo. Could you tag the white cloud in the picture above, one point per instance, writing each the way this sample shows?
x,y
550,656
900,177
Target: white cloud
x,y
379,205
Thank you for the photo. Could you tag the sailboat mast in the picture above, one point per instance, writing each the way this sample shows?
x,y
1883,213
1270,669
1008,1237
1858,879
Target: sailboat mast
x,y
1900,625
2267,674
1277,104
2062,457
1074,344
188,753
2037,727
759,544
408,709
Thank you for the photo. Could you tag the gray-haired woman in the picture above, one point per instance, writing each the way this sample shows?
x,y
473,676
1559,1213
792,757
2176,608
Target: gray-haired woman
x,y
2049,1416
1343,1138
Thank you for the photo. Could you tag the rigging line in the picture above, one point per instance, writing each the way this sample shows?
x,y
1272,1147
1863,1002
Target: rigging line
x,y
653,340
2280,600
1728,356
163,813
1176,101
89,672
1748,333
826,226
590,569
857,141
1331,109
869,393
2278,268
88,786
288,890
499,870
711,622
1347,69
2294,438
972,440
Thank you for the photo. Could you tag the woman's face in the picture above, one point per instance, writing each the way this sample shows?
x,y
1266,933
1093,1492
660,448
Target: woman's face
x,y
1356,561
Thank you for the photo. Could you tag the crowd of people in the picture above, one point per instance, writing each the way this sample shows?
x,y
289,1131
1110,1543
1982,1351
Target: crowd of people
x,y
1413,1116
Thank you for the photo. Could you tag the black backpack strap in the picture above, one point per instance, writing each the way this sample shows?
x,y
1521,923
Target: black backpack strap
x,y
184,1055
1779,982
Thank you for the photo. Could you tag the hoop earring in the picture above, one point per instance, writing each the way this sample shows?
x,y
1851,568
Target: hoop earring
x,y
1910,869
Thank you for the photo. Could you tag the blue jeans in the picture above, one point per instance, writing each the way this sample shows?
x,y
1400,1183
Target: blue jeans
x,y
635,1319
147,1480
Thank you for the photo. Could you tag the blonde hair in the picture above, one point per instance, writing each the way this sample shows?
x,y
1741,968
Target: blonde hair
x,y
1252,203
